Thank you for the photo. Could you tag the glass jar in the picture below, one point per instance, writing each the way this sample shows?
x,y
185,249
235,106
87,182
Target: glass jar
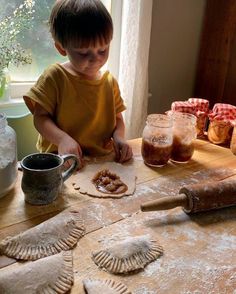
x,y
184,134
219,132
8,156
157,140
233,141
201,110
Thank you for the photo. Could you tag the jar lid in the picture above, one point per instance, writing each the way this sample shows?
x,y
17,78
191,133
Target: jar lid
x,y
183,106
200,104
160,120
183,117
223,112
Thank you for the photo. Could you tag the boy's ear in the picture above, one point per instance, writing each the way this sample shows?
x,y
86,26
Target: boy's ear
x,y
60,49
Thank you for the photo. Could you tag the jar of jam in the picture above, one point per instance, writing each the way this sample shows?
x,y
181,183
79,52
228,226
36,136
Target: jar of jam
x,y
219,132
202,109
157,140
184,133
221,126
233,140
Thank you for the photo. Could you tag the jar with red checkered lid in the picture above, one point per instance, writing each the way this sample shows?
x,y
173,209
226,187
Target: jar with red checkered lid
x,y
221,127
201,112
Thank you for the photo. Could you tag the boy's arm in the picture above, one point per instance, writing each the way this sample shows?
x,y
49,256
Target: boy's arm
x,y
122,149
50,131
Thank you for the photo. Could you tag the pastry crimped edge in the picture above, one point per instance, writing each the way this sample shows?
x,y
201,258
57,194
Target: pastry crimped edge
x,y
137,261
118,287
12,248
12,280
65,280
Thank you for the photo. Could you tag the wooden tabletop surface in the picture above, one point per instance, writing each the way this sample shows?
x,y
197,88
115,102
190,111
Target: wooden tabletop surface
x,y
199,250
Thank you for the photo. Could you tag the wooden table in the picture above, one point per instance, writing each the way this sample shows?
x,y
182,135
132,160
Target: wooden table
x,y
199,250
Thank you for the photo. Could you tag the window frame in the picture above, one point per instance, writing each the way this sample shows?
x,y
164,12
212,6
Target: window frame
x,y
18,89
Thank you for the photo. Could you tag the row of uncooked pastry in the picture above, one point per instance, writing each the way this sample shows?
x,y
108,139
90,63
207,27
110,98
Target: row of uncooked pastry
x,y
63,231
53,274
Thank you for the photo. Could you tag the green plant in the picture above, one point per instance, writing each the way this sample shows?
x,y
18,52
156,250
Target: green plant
x,y
11,51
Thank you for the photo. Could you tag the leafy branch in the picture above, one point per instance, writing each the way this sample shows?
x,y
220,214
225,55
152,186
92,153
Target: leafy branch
x,y
11,51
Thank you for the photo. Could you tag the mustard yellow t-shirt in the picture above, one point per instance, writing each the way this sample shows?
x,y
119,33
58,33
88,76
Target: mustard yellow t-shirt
x,y
84,109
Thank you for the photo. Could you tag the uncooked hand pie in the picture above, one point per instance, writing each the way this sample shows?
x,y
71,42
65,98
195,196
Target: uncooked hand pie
x,y
98,286
52,274
129,255
61,232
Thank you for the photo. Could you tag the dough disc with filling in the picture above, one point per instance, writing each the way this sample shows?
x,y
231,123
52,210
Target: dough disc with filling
x,y
85,185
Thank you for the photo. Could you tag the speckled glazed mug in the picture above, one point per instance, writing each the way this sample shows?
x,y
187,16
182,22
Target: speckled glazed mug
x,y
43,176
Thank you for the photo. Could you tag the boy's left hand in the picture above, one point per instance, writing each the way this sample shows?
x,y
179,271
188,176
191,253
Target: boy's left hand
x,y
122,149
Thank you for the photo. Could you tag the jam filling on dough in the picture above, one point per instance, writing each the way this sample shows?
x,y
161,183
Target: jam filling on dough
x,y
109,183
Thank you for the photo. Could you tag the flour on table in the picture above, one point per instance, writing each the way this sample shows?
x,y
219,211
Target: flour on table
x,y
84,179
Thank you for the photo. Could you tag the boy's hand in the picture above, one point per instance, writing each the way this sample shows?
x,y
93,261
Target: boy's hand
x,y
69,146
122,149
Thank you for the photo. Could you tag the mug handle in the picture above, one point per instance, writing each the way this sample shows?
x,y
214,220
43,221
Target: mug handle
x,y
66,174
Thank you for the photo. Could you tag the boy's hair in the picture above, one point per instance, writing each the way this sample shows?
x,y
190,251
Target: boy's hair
x,y
80,23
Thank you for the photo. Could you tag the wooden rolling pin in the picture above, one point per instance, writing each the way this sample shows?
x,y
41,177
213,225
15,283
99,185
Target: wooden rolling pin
x,y
198,197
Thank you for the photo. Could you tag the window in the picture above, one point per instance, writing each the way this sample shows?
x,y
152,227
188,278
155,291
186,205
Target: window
x,y
38,40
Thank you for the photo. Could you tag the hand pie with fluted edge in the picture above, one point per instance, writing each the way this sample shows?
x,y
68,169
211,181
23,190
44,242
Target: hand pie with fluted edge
x,y
56,234
132,254
52,274
98,286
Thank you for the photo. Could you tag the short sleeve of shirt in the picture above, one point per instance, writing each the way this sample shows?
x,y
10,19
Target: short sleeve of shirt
x,y
44,92
119,102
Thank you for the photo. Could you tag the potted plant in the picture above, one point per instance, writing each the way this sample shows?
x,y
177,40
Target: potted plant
x,y
11,51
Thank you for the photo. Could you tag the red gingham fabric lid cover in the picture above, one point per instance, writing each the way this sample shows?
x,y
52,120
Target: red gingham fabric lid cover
x,y
223,112
200,104
183,106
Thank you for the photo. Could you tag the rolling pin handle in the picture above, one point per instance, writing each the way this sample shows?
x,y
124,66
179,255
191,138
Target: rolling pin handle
x,y
166,203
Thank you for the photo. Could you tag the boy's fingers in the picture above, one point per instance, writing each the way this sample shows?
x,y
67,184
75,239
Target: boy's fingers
x,y
117,151
126,155
81,163
130,154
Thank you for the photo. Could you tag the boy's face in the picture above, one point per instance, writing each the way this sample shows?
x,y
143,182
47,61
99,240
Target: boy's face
x,y
88,61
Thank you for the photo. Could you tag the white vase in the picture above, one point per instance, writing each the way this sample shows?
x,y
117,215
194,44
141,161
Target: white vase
x,y
4,85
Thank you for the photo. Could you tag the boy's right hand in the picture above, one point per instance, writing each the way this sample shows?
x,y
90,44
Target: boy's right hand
x,y
68,145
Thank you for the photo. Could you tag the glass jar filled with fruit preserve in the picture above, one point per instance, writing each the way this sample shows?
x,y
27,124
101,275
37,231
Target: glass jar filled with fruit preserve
x,y
184,134
157,140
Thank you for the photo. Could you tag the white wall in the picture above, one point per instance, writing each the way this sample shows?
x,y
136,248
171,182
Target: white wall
x,y
175,40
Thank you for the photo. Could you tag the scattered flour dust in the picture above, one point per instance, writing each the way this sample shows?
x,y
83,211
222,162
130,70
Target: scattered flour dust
x,y
174,268
97,212
144,290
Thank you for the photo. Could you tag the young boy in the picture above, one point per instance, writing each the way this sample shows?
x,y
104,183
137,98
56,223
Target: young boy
x,y
77,108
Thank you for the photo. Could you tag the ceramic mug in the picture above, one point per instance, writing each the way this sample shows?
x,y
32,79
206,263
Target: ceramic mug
x,y
43,176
